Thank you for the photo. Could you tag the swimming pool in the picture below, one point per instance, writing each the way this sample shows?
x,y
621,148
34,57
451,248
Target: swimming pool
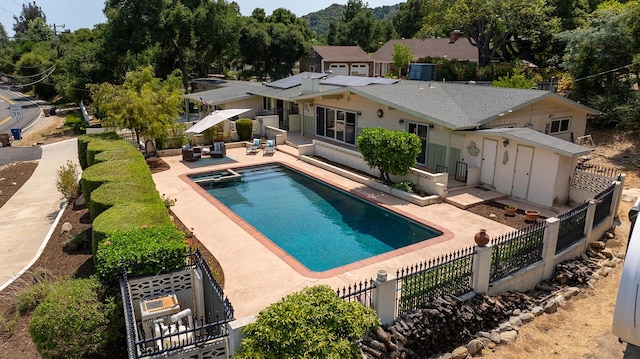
x,y
320,226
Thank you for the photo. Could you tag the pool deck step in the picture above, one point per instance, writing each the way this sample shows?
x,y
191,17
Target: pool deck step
x,y
470,196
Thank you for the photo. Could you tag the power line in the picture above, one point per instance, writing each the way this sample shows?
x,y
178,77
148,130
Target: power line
x,y
602,73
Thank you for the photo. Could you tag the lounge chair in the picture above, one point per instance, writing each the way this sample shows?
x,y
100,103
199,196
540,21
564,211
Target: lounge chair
x,y
270,147
218,150
191,154
255,146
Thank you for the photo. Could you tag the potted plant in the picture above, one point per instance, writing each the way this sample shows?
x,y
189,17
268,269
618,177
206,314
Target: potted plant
x,y
531,215
481,238
510,210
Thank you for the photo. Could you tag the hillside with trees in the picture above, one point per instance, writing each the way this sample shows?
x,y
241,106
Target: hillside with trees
x,y
588,51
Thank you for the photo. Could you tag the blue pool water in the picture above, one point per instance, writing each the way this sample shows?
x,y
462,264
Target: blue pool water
x,y
320,226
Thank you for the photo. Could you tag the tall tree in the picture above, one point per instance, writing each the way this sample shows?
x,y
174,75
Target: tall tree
x,y
497,26
272,44
360,27
597,57
408,21
144,103
30,11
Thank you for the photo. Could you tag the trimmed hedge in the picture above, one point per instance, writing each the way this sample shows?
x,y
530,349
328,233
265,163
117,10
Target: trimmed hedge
x,y
83,143
114,171
74,322
126,217
244,126
145,251
115,193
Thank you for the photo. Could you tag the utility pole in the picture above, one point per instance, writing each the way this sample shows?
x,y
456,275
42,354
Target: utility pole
x,y
55,36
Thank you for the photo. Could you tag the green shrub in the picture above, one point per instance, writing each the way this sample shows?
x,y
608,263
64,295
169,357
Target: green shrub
x,y
40,284
104,146
244,126
406,186
388,151
83,143
313,323
114,171
67,180
128,216
78,241
76,123
114,193
145,251
73,321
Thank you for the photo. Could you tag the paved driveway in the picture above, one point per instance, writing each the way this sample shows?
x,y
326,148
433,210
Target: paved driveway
x,y
14,154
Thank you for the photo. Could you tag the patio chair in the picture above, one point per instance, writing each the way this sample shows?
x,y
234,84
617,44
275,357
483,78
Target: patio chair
x,y
191,154
270,147
255,146
218,150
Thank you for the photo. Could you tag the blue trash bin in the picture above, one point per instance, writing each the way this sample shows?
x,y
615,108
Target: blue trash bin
x,y
16,133
52,111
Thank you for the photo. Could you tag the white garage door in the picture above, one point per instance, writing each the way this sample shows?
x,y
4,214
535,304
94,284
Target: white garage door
x,y
339,69
359,70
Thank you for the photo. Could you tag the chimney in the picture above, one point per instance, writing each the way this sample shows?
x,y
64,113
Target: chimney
x,y
310,84
455,35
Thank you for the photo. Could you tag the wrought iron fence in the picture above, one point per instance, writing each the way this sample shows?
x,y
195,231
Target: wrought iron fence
x,y
516,250
420,283
571,226
358,292
461,172
198,333
603,206
442,169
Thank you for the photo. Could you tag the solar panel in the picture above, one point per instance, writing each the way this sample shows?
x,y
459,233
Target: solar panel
x,y
344,80
293,81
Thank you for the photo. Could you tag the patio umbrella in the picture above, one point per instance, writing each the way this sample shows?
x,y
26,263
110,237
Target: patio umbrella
x,y
215,118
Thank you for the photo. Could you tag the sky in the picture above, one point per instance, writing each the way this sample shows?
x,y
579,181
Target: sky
x,y
75,14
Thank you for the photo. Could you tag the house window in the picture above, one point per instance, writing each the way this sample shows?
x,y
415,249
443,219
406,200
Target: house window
x,y
312,68
266,103
312,54
557,126
336,124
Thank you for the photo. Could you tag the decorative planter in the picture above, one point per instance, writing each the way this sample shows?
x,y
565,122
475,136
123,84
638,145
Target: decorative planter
x,y
531,215
510,211
481,238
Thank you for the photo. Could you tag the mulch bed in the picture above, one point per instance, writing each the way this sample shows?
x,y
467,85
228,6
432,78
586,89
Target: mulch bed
x,y
495,212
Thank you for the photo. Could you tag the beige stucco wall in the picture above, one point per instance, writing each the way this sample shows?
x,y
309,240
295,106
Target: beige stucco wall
x,y
542,112
252,104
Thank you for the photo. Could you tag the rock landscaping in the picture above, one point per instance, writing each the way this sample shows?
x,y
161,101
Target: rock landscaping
x,y
448,327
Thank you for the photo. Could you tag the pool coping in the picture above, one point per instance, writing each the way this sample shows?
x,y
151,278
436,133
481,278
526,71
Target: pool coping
x,y
290,260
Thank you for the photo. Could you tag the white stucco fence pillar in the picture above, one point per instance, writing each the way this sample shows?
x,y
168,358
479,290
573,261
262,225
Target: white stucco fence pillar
x,y
588,222
235,332
481,270
384,297
550,241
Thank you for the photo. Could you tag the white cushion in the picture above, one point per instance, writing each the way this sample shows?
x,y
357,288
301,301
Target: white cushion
x,y
269,143
256,142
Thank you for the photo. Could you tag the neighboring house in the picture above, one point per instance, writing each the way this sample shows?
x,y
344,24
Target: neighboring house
x,y
338,60
518,142
456,47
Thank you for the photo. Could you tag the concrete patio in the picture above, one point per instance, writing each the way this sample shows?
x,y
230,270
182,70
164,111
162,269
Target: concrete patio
x,y
258,273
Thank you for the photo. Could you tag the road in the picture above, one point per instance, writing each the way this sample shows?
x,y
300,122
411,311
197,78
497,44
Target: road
x,y
30,110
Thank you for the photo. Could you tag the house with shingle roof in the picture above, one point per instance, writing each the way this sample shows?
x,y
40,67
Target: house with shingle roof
x,y
338,60
517,142
456,47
